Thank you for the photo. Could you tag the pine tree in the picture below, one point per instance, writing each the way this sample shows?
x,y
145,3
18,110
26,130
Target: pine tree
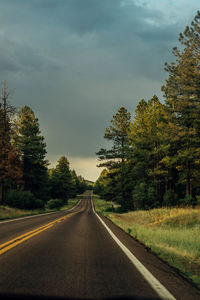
x,y
148,145
61,180
10,162
115,158
31,144
182,92
75,184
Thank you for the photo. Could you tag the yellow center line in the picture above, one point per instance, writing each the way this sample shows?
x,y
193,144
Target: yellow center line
x,y
20,239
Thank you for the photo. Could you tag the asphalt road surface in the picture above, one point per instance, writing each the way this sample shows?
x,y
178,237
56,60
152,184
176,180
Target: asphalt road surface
x,y
71,255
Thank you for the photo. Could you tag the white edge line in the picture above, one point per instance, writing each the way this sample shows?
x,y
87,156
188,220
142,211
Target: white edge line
x,y
162,292
38,215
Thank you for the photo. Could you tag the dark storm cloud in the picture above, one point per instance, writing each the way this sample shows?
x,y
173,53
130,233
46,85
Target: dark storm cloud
x,y
75,62
83,16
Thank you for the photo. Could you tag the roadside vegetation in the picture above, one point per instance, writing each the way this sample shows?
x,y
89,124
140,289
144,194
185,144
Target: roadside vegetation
x,y
172,233
153,155
150,182
26,182
7,212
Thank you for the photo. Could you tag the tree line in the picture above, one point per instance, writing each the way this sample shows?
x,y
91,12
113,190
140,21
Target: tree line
x,y
155,158
25,180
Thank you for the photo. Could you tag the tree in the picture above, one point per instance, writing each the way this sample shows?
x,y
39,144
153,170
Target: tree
x,y
190,38
115,158
61,181
76,187
82,185
182,93
10,163
105,185
32,147
149,145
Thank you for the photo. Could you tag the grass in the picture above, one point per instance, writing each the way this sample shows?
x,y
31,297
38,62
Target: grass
x,y
101,205
72,202
172,233
10,213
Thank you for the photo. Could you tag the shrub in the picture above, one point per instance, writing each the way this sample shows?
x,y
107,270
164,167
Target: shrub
x,y
110,209
39,204
55,203
198,200
170,198
22,200
188,200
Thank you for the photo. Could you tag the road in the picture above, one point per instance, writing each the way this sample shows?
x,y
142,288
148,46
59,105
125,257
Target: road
x,y
76,258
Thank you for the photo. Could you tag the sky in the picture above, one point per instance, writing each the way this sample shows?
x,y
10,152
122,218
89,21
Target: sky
x,y
76,62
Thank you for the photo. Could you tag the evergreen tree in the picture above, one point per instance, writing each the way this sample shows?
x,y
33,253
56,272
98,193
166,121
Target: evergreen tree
x,y
148,147
82,186
31,144
61,180
182,92
116,157
75,184
10,163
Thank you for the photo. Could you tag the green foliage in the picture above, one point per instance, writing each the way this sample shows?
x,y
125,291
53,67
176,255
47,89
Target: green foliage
x,y
55,203
23,165
10,162
110,209
22,200
140,197
170,198
188,200
152,197
155,160
182,90
33,150
61,181
114,159
172,233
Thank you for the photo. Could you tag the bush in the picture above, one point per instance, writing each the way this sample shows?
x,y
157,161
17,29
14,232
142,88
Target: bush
x,y
110,209
198,200
55,203
22,200
170,198
188,200
39,204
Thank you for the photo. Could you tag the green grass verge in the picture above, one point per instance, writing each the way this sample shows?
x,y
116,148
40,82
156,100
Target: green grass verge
x,y
101,205
172,233
11,213
72,202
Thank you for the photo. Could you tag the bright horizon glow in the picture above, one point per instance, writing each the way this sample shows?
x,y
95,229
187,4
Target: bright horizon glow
x,y
86,167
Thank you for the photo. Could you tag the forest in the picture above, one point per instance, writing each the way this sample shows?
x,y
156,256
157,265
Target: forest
x,y
26,182
154,158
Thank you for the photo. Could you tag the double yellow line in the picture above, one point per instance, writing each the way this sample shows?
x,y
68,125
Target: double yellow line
x,y
21,238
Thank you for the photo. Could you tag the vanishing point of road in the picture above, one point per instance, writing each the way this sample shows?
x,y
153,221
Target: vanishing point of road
x,y
78,254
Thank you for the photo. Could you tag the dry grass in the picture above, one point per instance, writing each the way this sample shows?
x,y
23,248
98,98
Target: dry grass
x,y
177,217
173,233
9,212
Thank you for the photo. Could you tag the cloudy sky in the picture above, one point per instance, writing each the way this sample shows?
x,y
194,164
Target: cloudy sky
x,y
75,62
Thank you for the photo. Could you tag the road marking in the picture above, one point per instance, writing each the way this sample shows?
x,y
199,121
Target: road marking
x,y
38,215
20,239
17,242
162,292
